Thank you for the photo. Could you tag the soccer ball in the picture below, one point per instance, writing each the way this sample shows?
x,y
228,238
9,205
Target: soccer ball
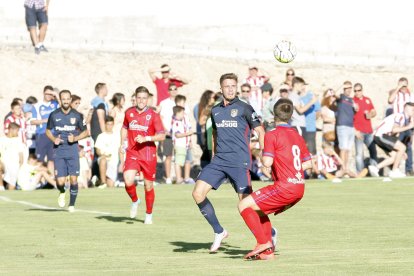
x,y
284,51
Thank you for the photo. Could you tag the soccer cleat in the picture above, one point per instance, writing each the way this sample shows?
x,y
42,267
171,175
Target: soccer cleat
x,y
134,209
274,238
148,219
218,238
61,200
71,209
396,174
373,171
260,248
267,255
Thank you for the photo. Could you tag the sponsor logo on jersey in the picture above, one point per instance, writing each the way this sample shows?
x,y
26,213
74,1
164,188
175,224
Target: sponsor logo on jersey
x,y
133,125
234,112
65,128
227,123
72,121
297,180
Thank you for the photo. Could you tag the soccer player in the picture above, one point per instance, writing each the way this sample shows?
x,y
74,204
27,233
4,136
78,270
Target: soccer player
x,y
286,156
232,122
142,126
65,127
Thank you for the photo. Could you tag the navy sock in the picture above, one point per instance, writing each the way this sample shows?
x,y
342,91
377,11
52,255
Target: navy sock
x,y
207,209
73,193
61,188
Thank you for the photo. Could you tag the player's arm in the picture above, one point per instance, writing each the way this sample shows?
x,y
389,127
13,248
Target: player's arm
x,y
261,134
124,134
214,143
50,125
267,162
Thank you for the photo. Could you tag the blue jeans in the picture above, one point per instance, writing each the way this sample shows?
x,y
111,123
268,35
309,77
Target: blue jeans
x,y
367,139
405,138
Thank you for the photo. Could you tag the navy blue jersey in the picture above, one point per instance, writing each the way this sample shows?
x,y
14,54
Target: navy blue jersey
x,y
63,124
233,124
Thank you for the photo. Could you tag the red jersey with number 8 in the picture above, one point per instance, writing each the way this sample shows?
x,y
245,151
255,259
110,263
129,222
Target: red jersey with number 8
x,y
147,123
288,150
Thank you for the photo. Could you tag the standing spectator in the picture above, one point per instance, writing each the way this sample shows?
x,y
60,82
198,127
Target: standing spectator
x,y
12,155
245,92
290,74
76,100
386,138
256,80
345,124
117,111
363,128
18,118
311,115
20,101
268,116
162,82
298,119
328,115
107,146
36,13
200,115
398,97
100,110
142,127
65,127
40,114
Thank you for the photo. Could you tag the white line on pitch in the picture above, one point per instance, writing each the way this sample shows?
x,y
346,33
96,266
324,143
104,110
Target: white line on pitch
x,y
49,208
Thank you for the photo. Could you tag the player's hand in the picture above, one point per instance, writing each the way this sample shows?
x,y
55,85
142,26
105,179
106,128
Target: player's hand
x,y
71,138
58,140
267,171
121,150
140,139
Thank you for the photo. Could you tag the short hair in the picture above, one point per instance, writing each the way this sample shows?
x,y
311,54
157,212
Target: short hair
x,y
347,83
99,86
13,126
403,79
17,100
109,119
228,76
358,85
150,95
64,91
47,87
246,85
14,103
267,87
297,80
283,90
31,100
179,98
177,109
75,98
409,104
141,89
283,110
172,84
163,66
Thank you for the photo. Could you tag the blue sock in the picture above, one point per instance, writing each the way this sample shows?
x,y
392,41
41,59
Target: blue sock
x,y
73,193
207,209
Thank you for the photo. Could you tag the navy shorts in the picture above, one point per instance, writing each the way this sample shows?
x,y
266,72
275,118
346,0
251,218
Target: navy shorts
x,y
239,177
44,148
33,16
67,166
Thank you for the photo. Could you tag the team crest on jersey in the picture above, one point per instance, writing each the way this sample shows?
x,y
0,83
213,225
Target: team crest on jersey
x,y
367,101
148,117
234,112
131,114
72,121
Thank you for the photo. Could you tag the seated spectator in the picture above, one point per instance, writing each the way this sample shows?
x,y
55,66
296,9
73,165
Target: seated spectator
x,y
33,175
12,151
386,137
107,145
85,172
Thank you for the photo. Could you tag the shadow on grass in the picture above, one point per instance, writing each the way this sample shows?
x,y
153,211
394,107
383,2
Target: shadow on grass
x,y
127,220
192,247
47,210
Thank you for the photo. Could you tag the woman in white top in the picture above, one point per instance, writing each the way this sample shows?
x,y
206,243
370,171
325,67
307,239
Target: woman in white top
x,y
118,111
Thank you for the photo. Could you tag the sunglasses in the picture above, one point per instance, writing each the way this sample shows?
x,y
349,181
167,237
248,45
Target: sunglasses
x,y
290,74
173,89
357,90
245,91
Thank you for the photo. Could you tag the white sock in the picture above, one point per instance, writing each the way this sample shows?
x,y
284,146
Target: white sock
x,y
38,45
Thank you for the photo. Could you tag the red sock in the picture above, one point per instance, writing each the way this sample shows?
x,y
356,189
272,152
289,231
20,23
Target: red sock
x,y
132,192
252,220
267,227
149,200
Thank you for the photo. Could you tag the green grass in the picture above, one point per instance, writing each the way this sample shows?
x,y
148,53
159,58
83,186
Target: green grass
x,y
355,227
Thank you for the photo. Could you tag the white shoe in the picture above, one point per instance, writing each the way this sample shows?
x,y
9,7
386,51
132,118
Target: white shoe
x,y
396,174
373,171
274,237
102,186
71,209
336,180
2,188
134,209
218,238
168,181
148,219
61,200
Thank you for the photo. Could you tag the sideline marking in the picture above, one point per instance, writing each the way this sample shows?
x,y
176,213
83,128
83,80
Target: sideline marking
x,y
50,208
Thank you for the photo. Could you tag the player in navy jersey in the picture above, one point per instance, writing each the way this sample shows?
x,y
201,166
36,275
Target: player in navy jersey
x,y
65,127
232,121
286,156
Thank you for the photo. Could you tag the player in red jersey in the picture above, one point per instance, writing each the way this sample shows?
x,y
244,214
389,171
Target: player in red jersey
x,y
286,156
142,127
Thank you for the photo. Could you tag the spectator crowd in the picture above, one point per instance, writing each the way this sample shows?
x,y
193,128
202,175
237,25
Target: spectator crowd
x,y
336,125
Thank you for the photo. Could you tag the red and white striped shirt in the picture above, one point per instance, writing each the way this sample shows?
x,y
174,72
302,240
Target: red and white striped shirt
x,y
256,99
21,122
181,126
400,100
327,163
389,122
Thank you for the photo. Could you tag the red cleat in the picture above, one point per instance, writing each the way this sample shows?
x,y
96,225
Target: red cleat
x,y
260,248
267,255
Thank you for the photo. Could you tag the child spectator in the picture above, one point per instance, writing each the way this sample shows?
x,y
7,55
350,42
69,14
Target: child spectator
x,y
85,173
181,134
33,175
17,117
327,162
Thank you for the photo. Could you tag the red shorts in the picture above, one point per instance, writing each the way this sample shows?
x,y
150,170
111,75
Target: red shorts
x,y
148,168
272,199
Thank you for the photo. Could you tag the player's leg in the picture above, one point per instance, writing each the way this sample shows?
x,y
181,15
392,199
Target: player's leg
x,y
73,166
210,174
129,178
149,171
61,173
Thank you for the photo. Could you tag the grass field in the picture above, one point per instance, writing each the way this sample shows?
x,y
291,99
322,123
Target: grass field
x,y
354,227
